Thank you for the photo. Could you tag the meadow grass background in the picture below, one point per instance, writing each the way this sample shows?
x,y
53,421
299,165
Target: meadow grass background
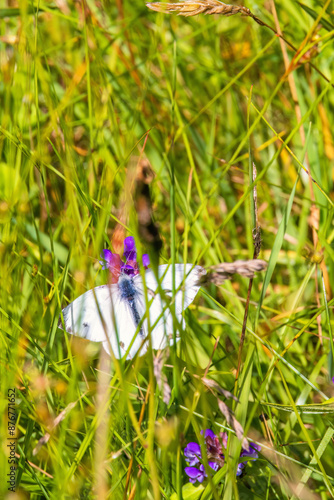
x,y
88,89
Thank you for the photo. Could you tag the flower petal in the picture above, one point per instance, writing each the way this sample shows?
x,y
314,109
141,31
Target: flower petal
x,y
214,466
210,433
130,252
146,260
115,265
105,256
192,449
192,472
253,451
192,453
240,469
254,446
128,269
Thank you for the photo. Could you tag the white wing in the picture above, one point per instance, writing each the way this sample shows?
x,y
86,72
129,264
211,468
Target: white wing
x,y
102,316
186,286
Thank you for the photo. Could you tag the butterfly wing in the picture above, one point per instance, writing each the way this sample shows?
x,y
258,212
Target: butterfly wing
x,y
101,315
161,318
186,284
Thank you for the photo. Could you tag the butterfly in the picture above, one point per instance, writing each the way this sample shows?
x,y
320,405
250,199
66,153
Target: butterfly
x,y
120,314
115,313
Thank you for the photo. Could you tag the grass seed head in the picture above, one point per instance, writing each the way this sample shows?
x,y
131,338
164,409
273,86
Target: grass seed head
x,y
192,8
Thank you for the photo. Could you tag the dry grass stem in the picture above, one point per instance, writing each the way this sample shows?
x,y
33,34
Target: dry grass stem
x,y
255,262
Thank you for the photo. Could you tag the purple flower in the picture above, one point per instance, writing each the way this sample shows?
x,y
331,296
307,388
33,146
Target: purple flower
x,y
209,432
130,252
252,454
253,451
199,475
192,453
106,257
116,266
146,260
215,449
240,468
111,261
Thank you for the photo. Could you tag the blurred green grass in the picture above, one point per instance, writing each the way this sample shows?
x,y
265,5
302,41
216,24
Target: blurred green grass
x,y
82,85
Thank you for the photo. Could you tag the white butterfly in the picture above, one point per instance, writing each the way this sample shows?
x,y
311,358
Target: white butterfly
x,y
115,314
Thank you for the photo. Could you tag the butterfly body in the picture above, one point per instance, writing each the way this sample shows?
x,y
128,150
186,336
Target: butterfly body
x,y
127,287
129,292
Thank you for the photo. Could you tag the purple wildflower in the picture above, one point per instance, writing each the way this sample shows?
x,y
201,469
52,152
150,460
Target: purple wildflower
x,y
130,252
192,453
216,449
116,266
240,468
146,260
253,451
208,433
199,475
252,454
106,257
